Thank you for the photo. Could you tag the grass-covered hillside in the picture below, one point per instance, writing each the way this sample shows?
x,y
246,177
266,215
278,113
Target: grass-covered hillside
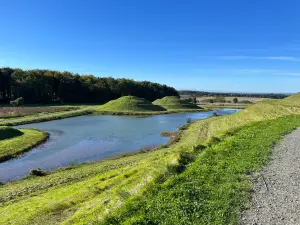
x,y
174,103
212,190
293,100
130,104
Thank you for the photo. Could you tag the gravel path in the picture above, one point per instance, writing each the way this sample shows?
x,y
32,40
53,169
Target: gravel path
x,y
276,196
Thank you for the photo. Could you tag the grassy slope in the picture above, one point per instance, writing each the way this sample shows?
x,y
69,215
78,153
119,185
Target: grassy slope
x,y
87,193
129,104
214,189
174,103
14,146
8,132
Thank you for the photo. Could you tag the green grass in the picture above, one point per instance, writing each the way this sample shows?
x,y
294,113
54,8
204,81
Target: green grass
x,y
215,188
17,145
85,194
174,103
8,132
130,104
46,117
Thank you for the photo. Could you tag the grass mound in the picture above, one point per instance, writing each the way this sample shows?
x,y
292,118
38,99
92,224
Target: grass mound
x,y
19,144
173,103
8,132
130,104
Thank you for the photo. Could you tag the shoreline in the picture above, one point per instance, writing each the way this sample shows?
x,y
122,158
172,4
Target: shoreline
x,y
172,140
29,120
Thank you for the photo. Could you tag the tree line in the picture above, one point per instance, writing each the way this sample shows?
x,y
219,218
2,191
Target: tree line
x,y
215,94
48,86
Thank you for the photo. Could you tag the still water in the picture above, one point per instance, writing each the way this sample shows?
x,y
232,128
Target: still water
x,y
94,137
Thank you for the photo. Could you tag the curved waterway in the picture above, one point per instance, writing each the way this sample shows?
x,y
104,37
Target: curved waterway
x,y
95,137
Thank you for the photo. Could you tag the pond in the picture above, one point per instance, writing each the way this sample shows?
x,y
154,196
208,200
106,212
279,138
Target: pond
x,y
95,137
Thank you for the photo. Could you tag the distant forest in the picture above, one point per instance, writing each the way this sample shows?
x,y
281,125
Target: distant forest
x,y
47,86
209,94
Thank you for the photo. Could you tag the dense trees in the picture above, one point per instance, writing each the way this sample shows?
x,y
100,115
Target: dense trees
x,y
209,94
46,86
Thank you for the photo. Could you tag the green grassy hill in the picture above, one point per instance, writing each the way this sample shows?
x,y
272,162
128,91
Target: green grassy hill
x,y
130,104
174,103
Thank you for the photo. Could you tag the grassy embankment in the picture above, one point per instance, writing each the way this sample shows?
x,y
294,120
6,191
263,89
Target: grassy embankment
x,y
87,193
214,189
130,105
14,142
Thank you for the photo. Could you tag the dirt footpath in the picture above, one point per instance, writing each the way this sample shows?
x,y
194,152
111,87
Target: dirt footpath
x,y
276,195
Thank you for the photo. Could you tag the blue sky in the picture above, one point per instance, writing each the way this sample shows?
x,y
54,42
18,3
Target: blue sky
x,y
212,45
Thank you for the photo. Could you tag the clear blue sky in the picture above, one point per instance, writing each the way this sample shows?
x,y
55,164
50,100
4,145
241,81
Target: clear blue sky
x,y
215,45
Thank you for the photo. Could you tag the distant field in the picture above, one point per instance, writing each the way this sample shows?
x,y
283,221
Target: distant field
x,y
251,99
9,112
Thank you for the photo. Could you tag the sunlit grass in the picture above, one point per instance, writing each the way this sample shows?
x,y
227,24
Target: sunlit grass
x,y
85,194
215,188
15,146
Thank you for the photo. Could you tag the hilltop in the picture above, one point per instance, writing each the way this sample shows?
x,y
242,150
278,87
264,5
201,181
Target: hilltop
x,y
130,104
173,103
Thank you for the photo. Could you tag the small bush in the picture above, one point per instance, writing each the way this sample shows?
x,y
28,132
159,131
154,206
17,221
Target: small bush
x,y
215,114
183,127
246,102
197,148
17,102
214,140
235,100
186,158
219,99
174,169
189,120
37,172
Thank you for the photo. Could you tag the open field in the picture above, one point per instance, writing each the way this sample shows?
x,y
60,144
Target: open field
x,y
224,105
89,192
251,99
35,118
18,144
12,112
